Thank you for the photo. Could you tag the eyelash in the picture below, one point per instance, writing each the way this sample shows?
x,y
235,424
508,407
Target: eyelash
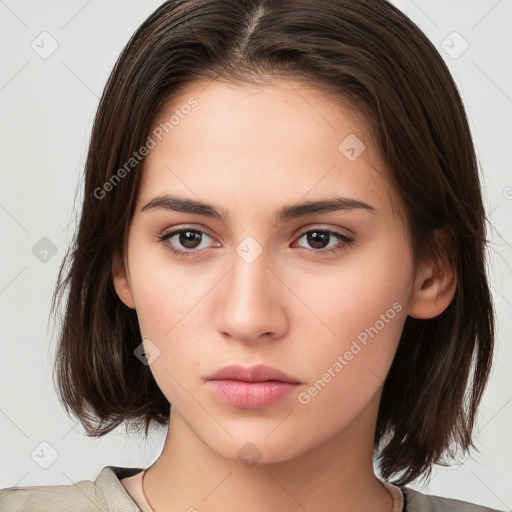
x,y
163,238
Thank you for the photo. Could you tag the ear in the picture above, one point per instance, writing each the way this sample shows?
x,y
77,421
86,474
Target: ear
x,y
121,281
434,288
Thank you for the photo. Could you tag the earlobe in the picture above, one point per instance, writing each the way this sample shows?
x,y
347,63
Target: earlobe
x,y
434,290
121,283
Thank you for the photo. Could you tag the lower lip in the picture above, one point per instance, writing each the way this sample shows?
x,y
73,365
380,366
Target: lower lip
x,y
252,395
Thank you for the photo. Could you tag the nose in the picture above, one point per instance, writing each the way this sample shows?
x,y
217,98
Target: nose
x,y
251,301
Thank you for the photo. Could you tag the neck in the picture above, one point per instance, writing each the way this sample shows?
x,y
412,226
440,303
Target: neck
x,y
335,475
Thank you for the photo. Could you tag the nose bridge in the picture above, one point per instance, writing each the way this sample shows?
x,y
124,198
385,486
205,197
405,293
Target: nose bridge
x,y
249,305
249,272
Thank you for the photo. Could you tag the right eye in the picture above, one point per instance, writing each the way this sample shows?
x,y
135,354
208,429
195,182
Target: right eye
x,y
188,238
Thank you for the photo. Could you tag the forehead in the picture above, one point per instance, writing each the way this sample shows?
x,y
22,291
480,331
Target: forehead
x,y
278,142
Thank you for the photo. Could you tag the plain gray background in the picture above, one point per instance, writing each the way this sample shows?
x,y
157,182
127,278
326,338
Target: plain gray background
x,y
48,104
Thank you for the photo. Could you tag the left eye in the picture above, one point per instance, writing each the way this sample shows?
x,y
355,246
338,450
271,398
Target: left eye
x,y
319,237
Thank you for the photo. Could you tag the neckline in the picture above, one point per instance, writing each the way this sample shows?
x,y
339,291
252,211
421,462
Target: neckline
x,y
397,494
119,472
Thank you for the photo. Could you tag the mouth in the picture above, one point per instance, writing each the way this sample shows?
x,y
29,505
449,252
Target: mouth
x,y
256,373
255,387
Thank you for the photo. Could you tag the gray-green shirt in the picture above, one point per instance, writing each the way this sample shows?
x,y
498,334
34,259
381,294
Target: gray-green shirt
x,y
107,494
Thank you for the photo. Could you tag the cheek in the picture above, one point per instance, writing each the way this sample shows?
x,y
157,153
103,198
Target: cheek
x,y
167,317
350,368
362,311
170,309
361,328
163,293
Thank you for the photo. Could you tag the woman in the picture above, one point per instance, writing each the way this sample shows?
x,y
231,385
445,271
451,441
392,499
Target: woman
x,y
281,225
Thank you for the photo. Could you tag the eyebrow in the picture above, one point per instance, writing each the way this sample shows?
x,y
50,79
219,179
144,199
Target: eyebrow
x,y
194,207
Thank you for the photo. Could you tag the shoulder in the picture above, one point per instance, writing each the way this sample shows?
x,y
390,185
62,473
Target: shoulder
x,y
418,502
79,496
104,493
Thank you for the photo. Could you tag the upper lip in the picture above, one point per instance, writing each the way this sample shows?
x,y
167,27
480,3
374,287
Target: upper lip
x,y
256,373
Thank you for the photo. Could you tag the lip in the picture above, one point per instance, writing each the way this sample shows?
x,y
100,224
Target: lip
x,y
256,373
251,387
252,395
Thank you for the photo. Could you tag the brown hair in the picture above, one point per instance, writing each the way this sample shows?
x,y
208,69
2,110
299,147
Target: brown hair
x,y
366,52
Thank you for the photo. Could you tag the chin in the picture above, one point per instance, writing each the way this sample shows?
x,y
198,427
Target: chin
x,y
259,449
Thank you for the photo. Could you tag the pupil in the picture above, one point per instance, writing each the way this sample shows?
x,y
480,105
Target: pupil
x,y
188,242
317,239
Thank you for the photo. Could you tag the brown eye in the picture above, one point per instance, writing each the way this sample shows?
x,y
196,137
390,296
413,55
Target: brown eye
x,y
319,240
189,239
184,241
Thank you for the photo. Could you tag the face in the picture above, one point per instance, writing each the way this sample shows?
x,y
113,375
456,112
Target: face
x,y
322,295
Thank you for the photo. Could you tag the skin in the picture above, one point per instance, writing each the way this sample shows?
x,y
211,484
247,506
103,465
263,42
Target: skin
x,y
250,151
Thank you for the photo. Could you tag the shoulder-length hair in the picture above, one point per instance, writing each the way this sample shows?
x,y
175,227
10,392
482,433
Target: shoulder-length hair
x,y
369,55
